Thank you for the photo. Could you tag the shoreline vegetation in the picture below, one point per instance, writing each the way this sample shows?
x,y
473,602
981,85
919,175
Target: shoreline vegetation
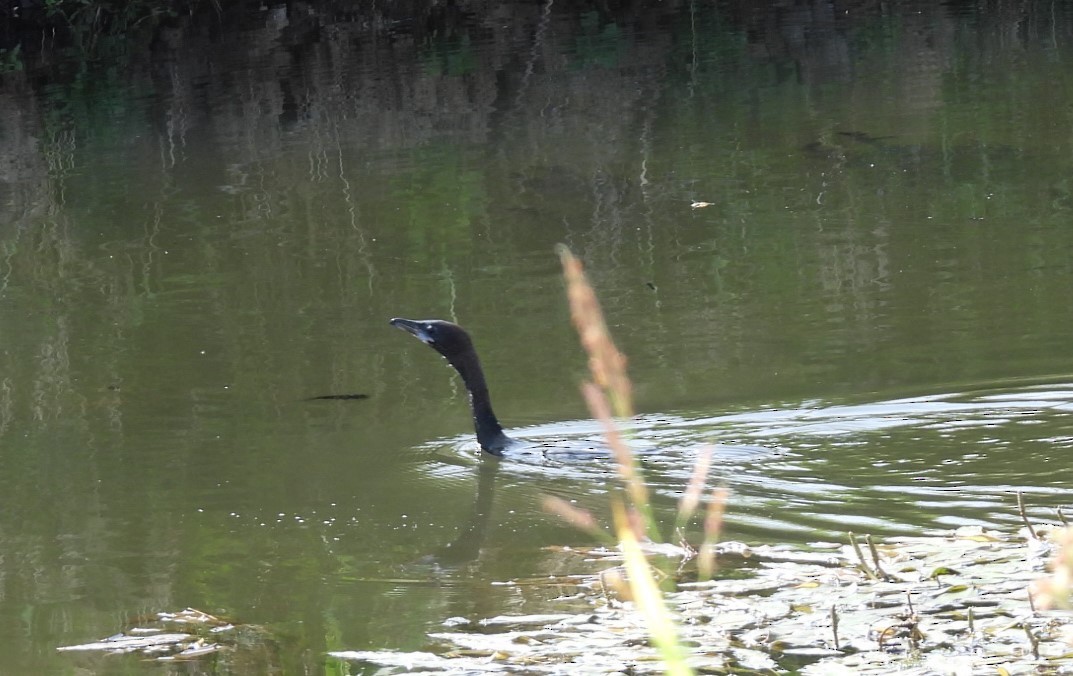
x,y
42,33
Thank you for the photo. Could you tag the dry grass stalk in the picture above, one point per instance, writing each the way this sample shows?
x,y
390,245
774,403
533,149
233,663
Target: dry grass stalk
x,y
647,596
610,394
606,363
713,525
1056,590
624,460
691,497
576,517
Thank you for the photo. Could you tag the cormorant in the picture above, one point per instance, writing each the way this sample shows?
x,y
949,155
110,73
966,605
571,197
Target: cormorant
x,y
452,341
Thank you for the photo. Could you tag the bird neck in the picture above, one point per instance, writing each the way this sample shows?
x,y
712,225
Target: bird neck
x,y
489,432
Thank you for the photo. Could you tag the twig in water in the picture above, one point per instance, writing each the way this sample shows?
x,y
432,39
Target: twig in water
x,y
834,626
1024,517
1034,640
1062,518
882,574
863,565
913,624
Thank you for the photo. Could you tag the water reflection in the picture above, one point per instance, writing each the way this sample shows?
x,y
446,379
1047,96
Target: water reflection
x,y
466,547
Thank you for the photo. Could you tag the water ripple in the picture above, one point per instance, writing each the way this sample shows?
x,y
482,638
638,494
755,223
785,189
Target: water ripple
x,y
816,470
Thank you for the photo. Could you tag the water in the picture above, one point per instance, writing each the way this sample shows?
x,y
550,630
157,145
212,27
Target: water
x,y
871,321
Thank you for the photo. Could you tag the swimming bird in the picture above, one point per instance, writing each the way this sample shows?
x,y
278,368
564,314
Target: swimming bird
x,y
452,341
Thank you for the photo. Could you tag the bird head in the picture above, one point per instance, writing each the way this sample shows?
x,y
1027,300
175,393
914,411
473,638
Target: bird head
x,y
447,338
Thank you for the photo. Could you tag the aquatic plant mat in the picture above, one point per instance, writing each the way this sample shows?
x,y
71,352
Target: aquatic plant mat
x,y
951,603
186,635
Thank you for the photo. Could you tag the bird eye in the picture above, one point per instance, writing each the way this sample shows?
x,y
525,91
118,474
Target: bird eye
x,y
428,327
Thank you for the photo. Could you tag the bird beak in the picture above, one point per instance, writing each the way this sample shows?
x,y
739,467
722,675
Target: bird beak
x,y
416,329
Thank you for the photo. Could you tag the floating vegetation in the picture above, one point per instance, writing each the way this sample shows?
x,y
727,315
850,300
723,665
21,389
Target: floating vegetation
x,y
952,603
188,635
